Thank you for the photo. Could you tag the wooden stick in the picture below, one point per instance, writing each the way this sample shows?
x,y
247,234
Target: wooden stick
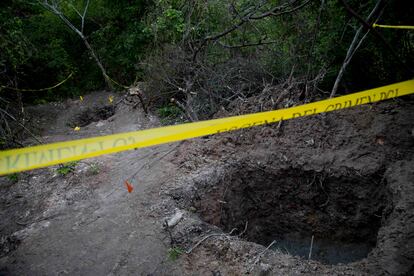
x,y
310,249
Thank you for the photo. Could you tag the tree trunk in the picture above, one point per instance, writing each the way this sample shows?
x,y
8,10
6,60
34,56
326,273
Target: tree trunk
x,y
98,62
353,48
55,9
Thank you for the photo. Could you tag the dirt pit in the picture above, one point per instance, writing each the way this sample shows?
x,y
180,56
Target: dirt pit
x,y
290,205
91,115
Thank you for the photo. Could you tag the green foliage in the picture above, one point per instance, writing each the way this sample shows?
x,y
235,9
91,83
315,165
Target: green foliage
x,y
123,39
67,168
37,49
174,253
299,41
169,114
170,24
14,177
14,44
169,111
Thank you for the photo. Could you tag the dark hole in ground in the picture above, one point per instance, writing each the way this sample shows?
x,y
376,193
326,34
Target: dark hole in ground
x,y
343,213
91,115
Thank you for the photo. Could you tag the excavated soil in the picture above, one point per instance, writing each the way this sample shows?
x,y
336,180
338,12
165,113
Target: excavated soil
x,y
250,202
91,115
344,180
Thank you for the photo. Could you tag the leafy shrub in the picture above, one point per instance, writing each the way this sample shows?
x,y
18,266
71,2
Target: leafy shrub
x,y
170,114
67,168
169,111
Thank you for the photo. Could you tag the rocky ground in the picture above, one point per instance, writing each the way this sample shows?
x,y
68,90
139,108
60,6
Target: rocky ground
x,y
247,202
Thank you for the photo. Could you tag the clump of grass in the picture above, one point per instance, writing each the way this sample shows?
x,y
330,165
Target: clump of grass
x,y
169,114
66,168
94,169
14,177
174,253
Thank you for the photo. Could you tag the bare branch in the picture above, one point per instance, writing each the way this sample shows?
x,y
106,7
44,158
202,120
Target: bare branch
x,y
19,123
274,13
248,44
353,48
84,14
368,27
76,10
53,6
250,16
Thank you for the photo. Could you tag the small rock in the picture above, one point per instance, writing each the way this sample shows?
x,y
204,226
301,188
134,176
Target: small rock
x,y
175,219
265,269
100,124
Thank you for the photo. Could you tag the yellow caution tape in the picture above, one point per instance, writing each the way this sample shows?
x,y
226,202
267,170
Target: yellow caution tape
x,y
37,90
17,160
392,26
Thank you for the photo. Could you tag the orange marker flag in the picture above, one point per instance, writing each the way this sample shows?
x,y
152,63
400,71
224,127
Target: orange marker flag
x,y
129,186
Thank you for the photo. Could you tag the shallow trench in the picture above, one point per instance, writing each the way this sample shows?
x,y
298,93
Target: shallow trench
x,y
290,206
91,115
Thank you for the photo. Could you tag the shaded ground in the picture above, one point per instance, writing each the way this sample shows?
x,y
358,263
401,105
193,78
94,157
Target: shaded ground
x,y
345,178
86,222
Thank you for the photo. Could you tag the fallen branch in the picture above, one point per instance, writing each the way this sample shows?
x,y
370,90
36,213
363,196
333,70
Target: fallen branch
x,y
310,249
209,236
245,228
261,254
